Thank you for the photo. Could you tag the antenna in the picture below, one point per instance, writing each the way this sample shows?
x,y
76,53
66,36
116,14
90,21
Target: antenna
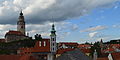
x,y
53,19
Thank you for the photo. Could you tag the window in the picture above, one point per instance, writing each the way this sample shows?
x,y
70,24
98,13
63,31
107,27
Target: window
x,y
44,43
53,44
53,39
40,44
53,49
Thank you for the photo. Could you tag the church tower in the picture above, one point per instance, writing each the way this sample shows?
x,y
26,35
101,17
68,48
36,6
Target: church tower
x,y
21,23
53,40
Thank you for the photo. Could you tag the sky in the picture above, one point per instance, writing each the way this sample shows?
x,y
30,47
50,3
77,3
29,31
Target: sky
x,y
75,20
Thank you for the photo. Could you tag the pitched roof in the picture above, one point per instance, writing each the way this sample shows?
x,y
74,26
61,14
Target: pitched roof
x,y
37,47
104,58
115,45
69,43
9,57
62,50
116,56
109,50
17,57
73,55
27,57
86,50
83,45
13,33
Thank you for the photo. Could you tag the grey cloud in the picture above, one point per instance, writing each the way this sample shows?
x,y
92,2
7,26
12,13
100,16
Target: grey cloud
x,y
41,11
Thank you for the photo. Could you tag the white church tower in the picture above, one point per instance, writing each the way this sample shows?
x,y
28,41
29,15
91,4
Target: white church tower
x,y
21,23
53,44
53,40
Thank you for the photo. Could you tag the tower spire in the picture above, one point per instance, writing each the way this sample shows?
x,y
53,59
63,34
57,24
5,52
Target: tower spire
x,y
53,31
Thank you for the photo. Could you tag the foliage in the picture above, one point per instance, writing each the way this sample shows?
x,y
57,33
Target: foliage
x,y
12,47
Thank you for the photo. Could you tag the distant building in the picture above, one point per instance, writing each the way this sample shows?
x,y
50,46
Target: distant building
x,y
20,33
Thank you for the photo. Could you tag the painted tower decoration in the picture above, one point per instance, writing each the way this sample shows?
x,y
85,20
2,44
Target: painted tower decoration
x,y
53,40
21,24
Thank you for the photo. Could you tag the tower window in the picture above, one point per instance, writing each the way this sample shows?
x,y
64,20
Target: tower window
x,y
53,49
21,26
53,39
53,44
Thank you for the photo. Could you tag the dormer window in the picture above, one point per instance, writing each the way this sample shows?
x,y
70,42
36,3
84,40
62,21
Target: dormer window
x,y
40,43
44,43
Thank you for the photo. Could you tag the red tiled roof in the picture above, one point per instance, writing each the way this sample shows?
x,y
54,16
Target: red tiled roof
x,y
83,45
27,57
86,50
68,43
17,57
14,32
62,50
9,57
116,56
105,58
110,50
115,45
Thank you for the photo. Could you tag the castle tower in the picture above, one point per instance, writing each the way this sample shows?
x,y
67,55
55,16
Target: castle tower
x,y
53,39
101,44
21,23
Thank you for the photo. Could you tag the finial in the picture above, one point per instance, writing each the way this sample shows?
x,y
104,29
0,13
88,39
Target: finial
x,y
21,13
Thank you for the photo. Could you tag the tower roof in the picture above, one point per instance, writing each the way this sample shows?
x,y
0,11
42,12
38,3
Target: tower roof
x,y
53,30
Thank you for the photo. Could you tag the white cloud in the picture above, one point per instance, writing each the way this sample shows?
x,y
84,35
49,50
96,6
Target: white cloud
x,y
99,27
44,30
93,34
116,26
74,27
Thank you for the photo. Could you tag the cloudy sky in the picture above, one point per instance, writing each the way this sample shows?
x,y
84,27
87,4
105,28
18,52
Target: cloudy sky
x,y
75,20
